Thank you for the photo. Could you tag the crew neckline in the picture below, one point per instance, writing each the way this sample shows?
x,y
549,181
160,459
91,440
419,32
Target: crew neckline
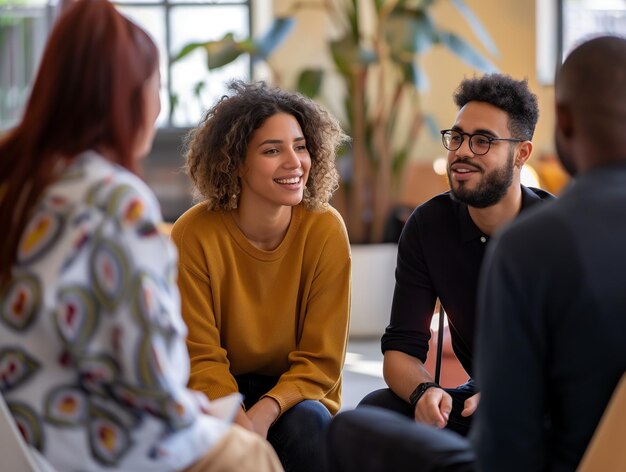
x,y
251,249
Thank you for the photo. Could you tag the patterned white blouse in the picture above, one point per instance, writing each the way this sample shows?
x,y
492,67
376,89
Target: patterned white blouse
x,y
93,364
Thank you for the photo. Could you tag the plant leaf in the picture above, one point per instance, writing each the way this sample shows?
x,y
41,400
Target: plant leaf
x,y
310,82
414,75
278,32
349,56
409,30
477,27
378,5
198,88
173,104
222,52
186,50
352,11
424,4
466,52
431,125
398,161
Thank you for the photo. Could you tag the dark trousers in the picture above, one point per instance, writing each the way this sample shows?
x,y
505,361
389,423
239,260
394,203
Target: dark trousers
x,y
298,436
385,398
372,439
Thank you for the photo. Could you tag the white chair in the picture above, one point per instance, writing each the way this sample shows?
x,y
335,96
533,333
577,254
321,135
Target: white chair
x,y
17,456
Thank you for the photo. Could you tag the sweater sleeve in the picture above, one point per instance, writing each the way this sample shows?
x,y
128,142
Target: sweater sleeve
x,y
316,363
210,367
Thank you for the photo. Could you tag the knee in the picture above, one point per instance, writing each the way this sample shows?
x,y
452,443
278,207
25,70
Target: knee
x,y
380,398
341,424
347,442
354,423
310,416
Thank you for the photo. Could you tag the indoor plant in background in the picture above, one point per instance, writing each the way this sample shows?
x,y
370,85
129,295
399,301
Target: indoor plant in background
x,y
375,52
375,48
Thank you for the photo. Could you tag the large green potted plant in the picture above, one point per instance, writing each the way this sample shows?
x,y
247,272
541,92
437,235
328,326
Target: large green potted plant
x,y
376,56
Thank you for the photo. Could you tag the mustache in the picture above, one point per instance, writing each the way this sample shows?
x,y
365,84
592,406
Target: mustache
x,y
466,162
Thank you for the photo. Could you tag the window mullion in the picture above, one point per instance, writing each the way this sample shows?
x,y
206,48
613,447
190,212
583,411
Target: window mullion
x,y
168,48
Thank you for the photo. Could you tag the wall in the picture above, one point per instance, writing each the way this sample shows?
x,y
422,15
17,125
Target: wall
x,y
511,23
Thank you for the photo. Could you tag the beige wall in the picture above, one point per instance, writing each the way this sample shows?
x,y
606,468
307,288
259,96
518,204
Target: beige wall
x,y
511,23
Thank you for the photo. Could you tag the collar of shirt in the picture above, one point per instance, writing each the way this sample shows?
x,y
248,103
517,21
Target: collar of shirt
x,y
469,230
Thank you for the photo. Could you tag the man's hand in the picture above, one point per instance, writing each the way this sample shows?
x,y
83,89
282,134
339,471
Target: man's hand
x,y
262,414
434,408
470,405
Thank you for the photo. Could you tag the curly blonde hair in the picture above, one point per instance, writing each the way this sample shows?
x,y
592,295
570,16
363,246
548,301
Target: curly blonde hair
x,y
218,145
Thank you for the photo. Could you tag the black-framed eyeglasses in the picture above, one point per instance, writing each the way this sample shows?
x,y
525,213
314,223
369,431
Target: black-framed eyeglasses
x,y
479,144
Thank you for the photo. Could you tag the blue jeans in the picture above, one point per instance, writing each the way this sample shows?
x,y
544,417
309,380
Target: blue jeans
x,y
299,435
385,398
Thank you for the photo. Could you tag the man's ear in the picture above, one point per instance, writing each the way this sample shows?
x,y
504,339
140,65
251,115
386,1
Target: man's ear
x,y
564,120
525,149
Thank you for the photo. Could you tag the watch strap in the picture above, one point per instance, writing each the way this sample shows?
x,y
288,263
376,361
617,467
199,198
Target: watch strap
x,y
420,390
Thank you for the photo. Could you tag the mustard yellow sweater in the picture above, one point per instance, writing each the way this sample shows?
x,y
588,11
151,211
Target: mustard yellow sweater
x,y
282,313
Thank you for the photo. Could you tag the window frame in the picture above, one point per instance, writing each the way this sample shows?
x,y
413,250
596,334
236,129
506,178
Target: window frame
x,y
167,6
52,8
550,27
30,61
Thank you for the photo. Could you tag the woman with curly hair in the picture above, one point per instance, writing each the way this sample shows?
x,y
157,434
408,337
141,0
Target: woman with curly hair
x,y
264,266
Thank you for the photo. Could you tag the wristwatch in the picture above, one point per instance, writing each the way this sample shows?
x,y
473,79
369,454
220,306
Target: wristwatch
x,y
420,390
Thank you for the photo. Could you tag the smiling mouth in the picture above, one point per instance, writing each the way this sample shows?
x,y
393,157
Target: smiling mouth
x,y
461,167
289,181
464,171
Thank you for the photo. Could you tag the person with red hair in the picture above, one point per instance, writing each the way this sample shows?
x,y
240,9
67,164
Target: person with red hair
x,y
93,364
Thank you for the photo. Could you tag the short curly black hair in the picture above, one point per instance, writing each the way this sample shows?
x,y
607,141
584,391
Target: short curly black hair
x,y
510,95
218,146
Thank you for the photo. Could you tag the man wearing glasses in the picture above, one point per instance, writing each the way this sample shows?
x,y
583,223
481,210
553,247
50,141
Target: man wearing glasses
x,y
443,243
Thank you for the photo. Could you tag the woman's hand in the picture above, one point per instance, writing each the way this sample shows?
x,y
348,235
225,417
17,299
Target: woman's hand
x,y
262,414
242,420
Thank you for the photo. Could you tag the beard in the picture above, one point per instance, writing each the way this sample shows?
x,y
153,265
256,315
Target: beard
x,y
491,188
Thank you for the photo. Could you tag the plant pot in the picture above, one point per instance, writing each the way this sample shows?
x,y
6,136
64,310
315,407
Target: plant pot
x,y
373,281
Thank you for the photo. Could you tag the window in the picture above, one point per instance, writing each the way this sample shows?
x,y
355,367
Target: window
x,y
188,87
23,30
585,18
562,24
188,84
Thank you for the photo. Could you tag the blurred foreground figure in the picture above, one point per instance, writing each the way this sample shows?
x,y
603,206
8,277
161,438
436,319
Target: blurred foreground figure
x,y
92,354
551,337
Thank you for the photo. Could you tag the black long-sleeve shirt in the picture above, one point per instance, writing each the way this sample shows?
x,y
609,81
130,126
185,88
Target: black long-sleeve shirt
x,y
440,254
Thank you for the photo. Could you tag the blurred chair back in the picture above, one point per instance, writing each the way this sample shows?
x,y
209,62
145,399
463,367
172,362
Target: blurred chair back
x,y
15,454
607,450
420,183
